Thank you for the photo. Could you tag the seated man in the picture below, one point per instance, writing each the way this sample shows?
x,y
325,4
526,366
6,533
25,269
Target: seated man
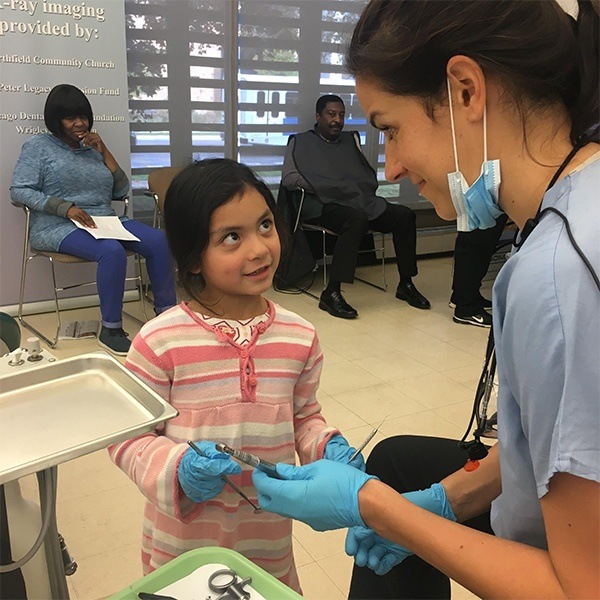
x,y
329,163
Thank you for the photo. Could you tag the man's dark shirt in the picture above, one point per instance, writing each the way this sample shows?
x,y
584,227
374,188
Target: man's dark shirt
x,y
336,171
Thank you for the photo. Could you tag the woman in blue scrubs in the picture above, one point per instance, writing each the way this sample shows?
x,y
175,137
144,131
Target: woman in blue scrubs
x,y
487,107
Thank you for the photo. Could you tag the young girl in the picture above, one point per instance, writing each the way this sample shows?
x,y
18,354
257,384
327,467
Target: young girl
x,y
238,368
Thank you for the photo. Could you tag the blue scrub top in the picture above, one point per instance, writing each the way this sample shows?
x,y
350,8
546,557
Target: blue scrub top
x,y
547,334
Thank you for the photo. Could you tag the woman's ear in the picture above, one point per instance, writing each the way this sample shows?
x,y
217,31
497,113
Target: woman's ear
x,y
467,86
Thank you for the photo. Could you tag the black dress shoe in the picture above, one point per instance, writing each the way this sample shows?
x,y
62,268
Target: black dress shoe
x,y
335,305
408,292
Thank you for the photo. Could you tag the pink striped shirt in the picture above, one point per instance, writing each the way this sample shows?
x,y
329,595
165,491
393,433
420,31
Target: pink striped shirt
x,y
259,397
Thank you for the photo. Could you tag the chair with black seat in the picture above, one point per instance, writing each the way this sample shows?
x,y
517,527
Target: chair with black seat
x,y
307,206
159,181
30,253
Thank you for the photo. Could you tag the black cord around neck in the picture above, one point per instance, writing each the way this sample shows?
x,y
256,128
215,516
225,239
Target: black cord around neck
x,y
475,449
576,247
531,224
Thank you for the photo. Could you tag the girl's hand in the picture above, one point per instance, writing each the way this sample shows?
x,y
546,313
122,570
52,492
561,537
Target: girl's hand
x,y
338,449
79,215
200,476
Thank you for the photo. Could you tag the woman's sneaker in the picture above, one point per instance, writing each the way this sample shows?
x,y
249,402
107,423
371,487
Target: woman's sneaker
x,y
114,340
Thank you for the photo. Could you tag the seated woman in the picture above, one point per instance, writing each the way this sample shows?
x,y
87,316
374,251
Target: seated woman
x,y
70,175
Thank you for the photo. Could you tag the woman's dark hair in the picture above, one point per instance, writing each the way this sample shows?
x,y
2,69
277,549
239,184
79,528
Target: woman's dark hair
x,y
538,52
66,100
191,199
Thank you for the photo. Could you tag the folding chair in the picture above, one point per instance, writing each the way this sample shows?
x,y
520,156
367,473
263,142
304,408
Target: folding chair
x,y
159,181
30,253
299,198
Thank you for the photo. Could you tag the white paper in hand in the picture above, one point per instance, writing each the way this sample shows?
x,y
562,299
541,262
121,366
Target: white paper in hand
x,y
108,228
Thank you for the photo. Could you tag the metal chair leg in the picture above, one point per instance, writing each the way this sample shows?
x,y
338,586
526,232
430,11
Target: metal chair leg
x,y
55,302
324,260
383,287
23,277
51,342
142,284
324,233
139,284
383,260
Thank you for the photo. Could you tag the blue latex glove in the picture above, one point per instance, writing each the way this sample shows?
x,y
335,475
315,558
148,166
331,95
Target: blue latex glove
x,y
339,450
381,555
434,500
200,476
371,550
323,494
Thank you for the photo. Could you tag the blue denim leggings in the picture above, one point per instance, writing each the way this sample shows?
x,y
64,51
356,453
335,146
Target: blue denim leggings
x,y
112,265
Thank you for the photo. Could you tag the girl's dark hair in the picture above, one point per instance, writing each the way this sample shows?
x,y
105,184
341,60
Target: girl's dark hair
x,y
539,53
191,199
66,100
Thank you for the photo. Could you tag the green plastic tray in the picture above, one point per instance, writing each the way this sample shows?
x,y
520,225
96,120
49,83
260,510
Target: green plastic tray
x,y
185,564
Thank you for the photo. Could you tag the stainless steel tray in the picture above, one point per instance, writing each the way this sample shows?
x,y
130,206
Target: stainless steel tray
x,y
62,410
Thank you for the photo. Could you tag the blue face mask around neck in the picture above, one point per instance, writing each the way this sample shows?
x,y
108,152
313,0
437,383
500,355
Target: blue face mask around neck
x,y
476,205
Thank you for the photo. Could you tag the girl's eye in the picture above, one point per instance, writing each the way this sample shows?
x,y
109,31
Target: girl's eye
x,y
231,238
266,225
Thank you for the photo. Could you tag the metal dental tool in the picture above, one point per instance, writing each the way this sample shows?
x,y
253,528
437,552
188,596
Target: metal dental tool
x,y
257,509
366,441
250,459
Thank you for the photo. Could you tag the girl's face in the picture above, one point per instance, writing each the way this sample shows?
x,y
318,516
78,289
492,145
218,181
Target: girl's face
x,y
242,255
415,146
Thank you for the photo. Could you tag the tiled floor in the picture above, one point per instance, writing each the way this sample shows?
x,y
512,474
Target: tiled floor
x,y
416,368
